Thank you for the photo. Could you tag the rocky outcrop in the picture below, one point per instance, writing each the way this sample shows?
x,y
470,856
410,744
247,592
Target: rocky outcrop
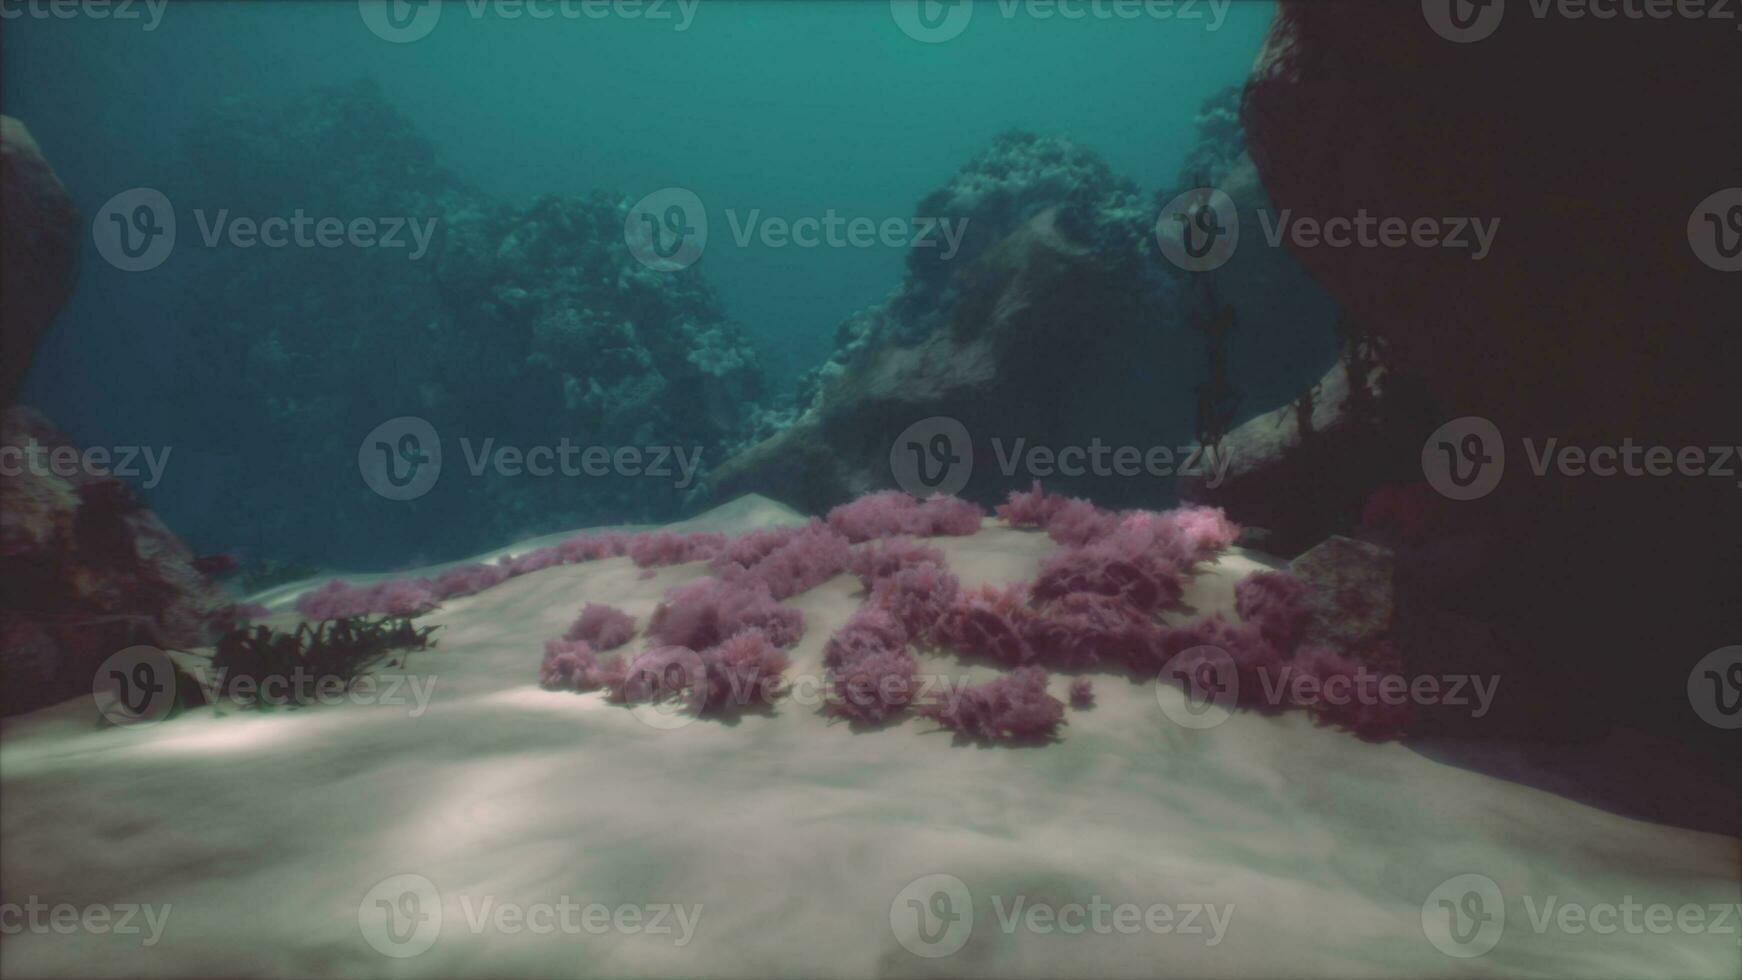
x,y
38,247
1059,325
1592,322
523,326
85,570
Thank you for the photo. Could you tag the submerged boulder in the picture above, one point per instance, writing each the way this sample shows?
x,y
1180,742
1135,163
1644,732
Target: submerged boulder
x,y
85,571
1592,322
38,248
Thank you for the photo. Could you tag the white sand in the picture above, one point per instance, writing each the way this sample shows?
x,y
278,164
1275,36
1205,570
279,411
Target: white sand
x,y
264,832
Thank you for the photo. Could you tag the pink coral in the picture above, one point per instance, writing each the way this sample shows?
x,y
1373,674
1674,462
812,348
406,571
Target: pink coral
x,y
465,580
891,512
743,671
709,610
990,622
1082,694
1083,630
874,687
1080,522
881,559
919,597
1110,568
536,560
788,560
571,665
1279,604
603,627
658,549
1344,693
1012,708
593,547
341,600
1036,508
871,630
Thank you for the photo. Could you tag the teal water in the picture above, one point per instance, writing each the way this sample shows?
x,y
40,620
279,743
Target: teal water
x,y
790,108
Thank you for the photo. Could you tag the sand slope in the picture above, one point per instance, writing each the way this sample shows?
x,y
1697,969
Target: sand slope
x,y
264,832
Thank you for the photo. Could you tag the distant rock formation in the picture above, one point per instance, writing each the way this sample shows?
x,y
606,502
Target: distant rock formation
x,y
1058,326
522,327
38,244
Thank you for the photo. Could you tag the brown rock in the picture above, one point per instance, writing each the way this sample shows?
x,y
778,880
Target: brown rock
x,y
38,247
85,571
1356,601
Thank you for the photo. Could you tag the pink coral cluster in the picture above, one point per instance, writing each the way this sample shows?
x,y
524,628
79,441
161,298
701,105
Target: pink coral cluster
x,y
872,674
880,559
602,627
708,611
658,549
341,600
1015,707
891,512
1279,604
787,560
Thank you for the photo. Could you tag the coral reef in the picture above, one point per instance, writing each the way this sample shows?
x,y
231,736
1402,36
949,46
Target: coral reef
x,y
709,611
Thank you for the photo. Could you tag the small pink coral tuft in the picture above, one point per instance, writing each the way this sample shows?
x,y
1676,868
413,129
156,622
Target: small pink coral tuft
x,y
603,627
1278,604
707,611
891,512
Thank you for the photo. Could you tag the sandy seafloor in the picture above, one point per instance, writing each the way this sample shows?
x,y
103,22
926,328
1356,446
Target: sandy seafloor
x,y
264,832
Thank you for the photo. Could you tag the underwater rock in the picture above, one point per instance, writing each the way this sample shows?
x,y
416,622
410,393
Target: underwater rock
x,y
522,326
39,242
1307,469
1592,322
85,571
1353,596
